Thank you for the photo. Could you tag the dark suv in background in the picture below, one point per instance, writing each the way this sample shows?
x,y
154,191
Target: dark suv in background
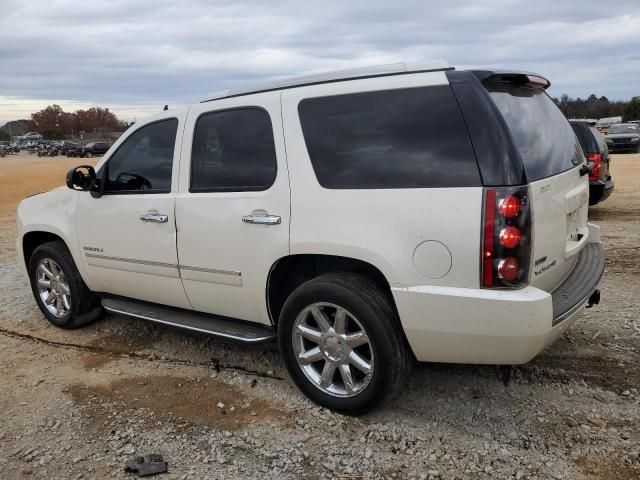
x,y
95,148
624,137
596,152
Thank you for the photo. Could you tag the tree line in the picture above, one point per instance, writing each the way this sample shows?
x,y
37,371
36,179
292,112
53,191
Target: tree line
x,y
599,107
54,123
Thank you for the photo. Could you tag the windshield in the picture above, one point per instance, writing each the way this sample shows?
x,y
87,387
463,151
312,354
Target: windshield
x,y
546,141
623,129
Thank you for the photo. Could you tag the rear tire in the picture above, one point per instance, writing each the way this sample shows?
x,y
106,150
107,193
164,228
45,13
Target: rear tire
x,y
342,344
58,288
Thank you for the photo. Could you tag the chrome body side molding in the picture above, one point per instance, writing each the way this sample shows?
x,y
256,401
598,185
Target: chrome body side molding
x,y
187,272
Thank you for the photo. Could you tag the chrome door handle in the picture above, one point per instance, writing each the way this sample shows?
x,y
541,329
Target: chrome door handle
x,y
261,219
154,216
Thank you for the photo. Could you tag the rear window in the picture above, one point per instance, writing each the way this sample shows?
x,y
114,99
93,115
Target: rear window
x,y
585,137
404,138
541,133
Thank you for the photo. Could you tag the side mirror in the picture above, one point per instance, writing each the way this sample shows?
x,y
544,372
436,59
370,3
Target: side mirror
x,y
81,178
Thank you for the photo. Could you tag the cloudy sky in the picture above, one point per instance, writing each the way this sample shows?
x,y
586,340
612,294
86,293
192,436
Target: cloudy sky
x,y
134,56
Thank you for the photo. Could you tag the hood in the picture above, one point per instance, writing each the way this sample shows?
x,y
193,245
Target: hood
x,y
623,135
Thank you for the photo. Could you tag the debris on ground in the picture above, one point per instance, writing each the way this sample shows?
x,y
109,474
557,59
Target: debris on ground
x,y
150,464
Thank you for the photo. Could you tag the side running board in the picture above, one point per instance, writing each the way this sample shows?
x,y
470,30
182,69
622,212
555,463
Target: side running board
x,y
199,322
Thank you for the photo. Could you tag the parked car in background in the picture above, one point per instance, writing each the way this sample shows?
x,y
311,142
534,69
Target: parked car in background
x,y
48,150
67,146
32,136
596,152
95,149
74,150
603,124
624,137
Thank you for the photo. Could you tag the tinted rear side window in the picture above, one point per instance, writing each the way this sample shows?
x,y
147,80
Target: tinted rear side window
x,y
586,138
542,134
233,151
405,138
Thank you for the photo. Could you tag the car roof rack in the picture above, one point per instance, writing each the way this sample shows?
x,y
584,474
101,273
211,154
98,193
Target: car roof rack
x,y
328,77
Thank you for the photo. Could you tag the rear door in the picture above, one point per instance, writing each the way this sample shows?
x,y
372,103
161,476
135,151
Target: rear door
x,y
232,211
559,194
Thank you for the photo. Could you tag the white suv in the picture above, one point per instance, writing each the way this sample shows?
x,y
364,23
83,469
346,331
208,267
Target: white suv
x,y
366,219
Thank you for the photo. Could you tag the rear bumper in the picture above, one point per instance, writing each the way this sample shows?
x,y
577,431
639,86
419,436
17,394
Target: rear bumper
x,y
459,325
574,292
600,190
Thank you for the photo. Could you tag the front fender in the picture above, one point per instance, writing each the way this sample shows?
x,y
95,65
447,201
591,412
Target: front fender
x,y
53,212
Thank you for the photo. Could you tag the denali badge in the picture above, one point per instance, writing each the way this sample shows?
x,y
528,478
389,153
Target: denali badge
x,y
545,268
545,188
92,249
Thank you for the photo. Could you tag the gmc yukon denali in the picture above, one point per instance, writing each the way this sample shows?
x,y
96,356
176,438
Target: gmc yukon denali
x,y
366,220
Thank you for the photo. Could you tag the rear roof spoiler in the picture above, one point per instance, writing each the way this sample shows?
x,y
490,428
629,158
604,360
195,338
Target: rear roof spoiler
x,y
527,79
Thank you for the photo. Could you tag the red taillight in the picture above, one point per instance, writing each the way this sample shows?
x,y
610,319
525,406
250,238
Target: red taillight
x,y
595,159
509,269
487,249
509,206
510,237
506,237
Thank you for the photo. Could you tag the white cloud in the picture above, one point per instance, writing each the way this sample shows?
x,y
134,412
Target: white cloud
x,y
134,56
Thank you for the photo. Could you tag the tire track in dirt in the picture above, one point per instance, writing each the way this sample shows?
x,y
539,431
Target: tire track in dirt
x,y
214,363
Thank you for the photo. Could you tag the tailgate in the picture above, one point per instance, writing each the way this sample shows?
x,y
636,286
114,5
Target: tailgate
x,y
551,156
560,204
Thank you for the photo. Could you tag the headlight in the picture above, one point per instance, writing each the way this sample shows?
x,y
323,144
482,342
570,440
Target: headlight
x,y
635,139
608,140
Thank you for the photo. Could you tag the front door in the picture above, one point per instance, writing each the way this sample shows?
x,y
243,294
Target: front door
x,y
233,207
128,235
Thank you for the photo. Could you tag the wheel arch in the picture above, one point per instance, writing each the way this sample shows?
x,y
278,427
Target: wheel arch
x,y
33,239
289,272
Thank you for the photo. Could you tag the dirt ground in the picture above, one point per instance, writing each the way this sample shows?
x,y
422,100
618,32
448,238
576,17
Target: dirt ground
x,y
79,404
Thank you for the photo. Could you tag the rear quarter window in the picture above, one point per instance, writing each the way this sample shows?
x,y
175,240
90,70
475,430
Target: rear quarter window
x,y
404,138
542,134
586,138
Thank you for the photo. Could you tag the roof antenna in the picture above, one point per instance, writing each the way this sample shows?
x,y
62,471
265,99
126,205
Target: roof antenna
x,y
166,107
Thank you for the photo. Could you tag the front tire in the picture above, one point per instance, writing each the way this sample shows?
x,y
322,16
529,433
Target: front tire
x,y
341,342
58,288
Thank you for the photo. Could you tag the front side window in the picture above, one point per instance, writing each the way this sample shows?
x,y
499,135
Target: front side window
x,y
233,151
143,163
404,138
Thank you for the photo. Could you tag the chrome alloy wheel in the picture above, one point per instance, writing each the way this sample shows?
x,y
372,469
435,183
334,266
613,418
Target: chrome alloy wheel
x,y
333,349
53,287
